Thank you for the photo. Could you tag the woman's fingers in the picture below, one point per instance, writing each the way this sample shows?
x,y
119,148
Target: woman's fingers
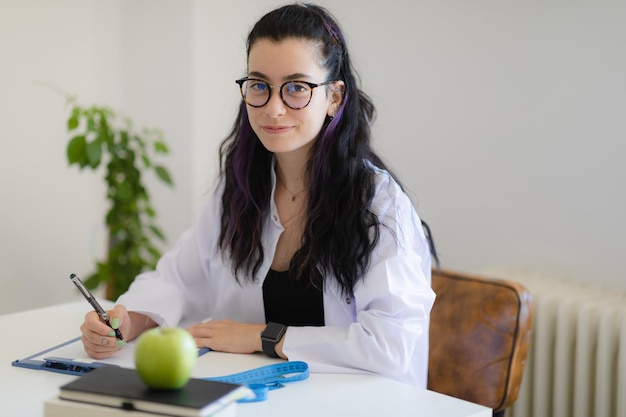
x,y
98,339
228,336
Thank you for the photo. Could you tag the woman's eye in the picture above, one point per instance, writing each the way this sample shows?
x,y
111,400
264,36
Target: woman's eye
x,y
258,87
297,88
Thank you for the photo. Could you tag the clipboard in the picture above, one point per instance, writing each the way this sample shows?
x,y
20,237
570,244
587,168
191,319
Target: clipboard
x,y
70,358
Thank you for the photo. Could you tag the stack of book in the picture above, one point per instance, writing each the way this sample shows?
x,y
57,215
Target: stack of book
x,y
112,391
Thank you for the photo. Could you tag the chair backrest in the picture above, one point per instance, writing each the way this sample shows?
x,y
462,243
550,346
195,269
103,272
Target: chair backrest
x,y
479,338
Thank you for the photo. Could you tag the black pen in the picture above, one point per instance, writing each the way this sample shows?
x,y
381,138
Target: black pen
x,y
96,306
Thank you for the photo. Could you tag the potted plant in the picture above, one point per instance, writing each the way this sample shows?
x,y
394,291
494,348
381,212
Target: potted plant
x,y
99,136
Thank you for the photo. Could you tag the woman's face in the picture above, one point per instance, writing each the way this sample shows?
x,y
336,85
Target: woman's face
x,y
282,129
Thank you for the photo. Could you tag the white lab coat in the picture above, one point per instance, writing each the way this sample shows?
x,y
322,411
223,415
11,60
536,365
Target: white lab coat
x,y
382,329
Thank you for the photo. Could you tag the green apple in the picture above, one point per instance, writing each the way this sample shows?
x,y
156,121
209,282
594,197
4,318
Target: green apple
x,y
165,357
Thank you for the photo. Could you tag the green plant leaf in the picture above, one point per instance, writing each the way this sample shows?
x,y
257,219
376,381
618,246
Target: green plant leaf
x,y
157,232
76,151
111,218
124,192
103,118
72,123
74,119
91,124
94,153
93,280
124,138
140,141
161,147
163,174
156,254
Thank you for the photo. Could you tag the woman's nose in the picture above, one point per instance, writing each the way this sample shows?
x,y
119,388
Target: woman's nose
x,y
275,106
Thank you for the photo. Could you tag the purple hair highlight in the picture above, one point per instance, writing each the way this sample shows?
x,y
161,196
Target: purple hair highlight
x,y
320,168
241,163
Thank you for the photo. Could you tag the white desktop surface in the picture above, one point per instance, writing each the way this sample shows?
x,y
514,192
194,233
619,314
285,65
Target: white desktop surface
x,y
23,391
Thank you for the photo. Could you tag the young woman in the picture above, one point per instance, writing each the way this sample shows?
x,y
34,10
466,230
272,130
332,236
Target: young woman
x,y
307,248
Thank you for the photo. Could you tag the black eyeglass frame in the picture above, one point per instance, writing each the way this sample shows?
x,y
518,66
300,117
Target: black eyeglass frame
x,y
280,90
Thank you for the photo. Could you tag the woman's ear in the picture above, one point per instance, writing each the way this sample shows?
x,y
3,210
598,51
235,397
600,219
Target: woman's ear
x,y
336,97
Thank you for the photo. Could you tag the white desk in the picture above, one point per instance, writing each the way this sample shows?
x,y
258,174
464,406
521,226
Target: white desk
x,y
23,391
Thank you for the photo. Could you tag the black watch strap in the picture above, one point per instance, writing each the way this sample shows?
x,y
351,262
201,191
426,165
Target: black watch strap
x,y
271,336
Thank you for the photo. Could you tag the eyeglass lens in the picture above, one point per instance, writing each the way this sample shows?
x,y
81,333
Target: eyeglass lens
x,y
294,94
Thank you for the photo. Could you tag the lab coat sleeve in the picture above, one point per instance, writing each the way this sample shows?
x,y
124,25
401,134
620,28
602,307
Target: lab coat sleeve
x,y
391,305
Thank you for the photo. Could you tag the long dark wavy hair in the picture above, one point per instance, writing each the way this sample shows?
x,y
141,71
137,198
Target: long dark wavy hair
x,y
340,230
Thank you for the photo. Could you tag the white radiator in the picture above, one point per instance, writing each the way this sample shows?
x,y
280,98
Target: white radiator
x,y
577,358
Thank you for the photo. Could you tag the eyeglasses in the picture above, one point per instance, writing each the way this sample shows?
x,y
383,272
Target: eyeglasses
x,y
295,94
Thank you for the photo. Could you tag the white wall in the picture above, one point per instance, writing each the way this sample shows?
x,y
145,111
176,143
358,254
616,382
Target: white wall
x,y
134,56
49,213
504,119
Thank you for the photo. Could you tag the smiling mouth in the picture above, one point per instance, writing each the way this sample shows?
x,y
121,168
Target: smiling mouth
x,y
276,129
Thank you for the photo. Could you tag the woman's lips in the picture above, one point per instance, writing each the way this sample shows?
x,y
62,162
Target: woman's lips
x,y
276,129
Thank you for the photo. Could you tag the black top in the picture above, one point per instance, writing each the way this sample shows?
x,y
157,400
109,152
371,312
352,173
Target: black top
x,y
291,301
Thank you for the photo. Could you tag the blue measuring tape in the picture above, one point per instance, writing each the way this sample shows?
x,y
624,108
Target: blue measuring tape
x,y
266,378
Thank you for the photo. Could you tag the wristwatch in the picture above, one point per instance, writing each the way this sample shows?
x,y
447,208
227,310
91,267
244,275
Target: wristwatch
x,y
271,336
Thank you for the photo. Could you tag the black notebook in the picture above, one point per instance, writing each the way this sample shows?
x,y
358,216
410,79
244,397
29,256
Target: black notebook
x,y
122,388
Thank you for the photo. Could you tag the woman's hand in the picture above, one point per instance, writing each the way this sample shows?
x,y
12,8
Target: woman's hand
x,y
228,336
98,338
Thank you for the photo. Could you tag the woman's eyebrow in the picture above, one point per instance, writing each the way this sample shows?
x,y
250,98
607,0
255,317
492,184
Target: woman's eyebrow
x,y
297,76
291,77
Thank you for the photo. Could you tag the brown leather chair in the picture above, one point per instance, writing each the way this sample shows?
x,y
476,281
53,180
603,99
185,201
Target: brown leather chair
x,y
479,336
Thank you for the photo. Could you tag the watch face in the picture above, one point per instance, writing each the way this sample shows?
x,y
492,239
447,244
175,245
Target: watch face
x,y
273,331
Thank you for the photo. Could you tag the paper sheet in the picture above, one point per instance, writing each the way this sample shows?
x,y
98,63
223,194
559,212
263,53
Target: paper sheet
x,y
75,351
